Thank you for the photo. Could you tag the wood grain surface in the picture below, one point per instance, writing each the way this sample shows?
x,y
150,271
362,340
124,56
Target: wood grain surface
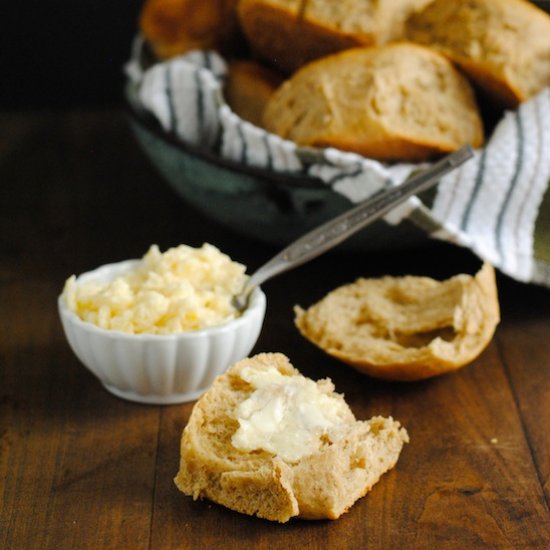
x,y
80,468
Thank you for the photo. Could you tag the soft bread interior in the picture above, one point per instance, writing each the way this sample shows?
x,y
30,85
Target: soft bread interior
x,y
405,328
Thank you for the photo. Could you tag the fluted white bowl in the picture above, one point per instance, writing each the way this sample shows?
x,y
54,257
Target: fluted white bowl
x,y
160,369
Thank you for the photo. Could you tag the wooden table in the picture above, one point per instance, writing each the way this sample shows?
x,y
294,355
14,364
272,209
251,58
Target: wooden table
x,y
83,469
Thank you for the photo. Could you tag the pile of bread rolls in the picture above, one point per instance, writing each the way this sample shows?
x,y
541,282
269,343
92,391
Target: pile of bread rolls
x,y
395,81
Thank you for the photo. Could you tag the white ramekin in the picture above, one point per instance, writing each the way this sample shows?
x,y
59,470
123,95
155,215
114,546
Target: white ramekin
x,y
160,369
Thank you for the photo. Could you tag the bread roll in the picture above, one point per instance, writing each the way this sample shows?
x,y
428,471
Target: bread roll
x,y
249,87
503,45
405,328
173,27
289,33
395,102
341,461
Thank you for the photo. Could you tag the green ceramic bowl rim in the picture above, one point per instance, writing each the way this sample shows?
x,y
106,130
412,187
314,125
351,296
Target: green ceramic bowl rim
x,y
275,178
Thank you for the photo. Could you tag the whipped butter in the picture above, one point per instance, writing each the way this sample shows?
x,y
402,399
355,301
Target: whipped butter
x,y
286,415
180,290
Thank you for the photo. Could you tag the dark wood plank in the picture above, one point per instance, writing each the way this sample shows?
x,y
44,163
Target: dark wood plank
x,y
78,464
523,340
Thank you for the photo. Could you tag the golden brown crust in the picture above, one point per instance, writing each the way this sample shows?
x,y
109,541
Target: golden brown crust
x,y
277,33
324,484
249,87
502,45
173,27
290,33
395,102
405,328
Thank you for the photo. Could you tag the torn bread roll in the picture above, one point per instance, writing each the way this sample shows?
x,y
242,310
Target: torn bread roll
x,y
405,328
266,441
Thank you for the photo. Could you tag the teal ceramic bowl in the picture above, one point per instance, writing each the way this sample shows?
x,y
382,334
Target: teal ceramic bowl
x,y
269,206
274,207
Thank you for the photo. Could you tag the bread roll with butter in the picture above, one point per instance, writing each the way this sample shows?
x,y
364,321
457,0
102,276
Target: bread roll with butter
x,y
290,33
399,102
249,446
502,45
173,27
405,328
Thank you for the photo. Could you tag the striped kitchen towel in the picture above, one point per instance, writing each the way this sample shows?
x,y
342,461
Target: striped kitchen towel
x,y
497,204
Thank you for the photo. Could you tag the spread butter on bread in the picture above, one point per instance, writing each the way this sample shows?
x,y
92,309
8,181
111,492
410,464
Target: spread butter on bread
x,y
395,102
266,441
405,328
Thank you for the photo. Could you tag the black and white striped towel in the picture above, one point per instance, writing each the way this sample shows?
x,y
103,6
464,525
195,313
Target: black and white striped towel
x,y
497,204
